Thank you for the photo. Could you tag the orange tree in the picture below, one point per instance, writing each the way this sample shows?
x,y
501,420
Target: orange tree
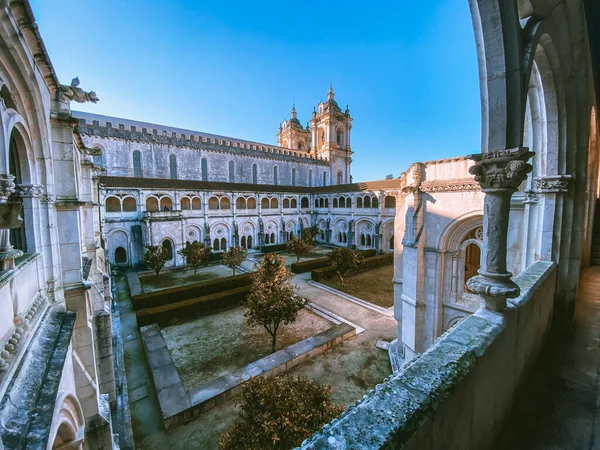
x,y
279,413
343,260
156,257
234,257
196,254
299,247
273,300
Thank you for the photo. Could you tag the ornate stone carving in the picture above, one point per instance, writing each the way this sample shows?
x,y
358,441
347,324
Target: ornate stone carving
x,y
30,190
501,169
531,196
450,186
86,265
553,184
7,186
479,234
74,93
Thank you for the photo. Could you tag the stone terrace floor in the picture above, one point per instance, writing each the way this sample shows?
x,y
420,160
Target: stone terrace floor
x,y
559,408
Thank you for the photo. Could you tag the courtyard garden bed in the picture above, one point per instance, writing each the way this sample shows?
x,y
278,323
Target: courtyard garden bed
x,y
180,277
211,346
374,286
202,363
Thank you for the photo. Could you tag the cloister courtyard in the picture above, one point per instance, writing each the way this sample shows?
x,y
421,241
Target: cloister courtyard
x,y
210,348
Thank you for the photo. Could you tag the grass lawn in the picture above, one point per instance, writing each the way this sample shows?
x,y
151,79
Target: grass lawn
x,y
183,276
373,286
213,345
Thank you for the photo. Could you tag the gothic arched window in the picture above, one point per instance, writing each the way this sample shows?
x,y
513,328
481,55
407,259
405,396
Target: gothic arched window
x,y
324,178
310,178
231,172
275,176
137,164
254,174
293,177
173,166
204,169
339,177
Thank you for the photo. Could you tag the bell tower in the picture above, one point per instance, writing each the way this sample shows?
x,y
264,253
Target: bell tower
x,y
330,129
292,134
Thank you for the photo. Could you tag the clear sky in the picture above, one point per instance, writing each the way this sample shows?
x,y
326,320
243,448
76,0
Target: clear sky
x,y
407,69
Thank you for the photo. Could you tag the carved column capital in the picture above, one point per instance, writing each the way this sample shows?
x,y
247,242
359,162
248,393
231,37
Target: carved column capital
x,y
7,186
501,169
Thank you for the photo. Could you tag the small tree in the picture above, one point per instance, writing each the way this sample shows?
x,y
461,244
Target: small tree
x,y
299,247
234,257
343,260
196,254
272,300
310,234
279,413
156,257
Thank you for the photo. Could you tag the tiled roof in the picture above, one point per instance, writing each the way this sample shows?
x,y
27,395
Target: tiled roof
x,y
197,185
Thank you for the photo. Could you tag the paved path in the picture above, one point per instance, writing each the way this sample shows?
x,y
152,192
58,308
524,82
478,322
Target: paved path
x,y
560,404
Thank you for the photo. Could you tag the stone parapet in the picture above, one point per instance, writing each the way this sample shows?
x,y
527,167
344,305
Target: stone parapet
x,y
454,391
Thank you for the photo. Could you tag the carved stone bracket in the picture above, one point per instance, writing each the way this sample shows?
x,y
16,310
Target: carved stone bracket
x,y
501,169
7,186
553,184
30,190
531,196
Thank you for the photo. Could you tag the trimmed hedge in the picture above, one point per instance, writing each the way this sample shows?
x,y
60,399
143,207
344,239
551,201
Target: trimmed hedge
x,y
202,288
367,264
192,308
313,264
273,248
307,266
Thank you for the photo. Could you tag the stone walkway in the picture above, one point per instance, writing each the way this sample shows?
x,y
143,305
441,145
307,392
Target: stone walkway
x,y
560,404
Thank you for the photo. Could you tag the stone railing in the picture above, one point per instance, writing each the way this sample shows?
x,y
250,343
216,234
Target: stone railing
x,y
162,215
458,393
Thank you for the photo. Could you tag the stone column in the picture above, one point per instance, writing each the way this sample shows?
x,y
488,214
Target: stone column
x,y
9,219
499,173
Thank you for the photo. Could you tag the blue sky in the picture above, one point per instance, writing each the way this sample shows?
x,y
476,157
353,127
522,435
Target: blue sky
x,y
407,69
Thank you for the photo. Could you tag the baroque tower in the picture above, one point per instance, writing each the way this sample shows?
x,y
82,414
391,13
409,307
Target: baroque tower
x,y
292,134
331,138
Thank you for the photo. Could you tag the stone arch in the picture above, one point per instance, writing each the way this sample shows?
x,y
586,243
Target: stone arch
x,y
247,234
168,245
213,203
166,203
251,203
193,233
112,204
219,235
388,235
118,238
67,429
304,202
240,203
185,203
152,203
390,201
129,204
